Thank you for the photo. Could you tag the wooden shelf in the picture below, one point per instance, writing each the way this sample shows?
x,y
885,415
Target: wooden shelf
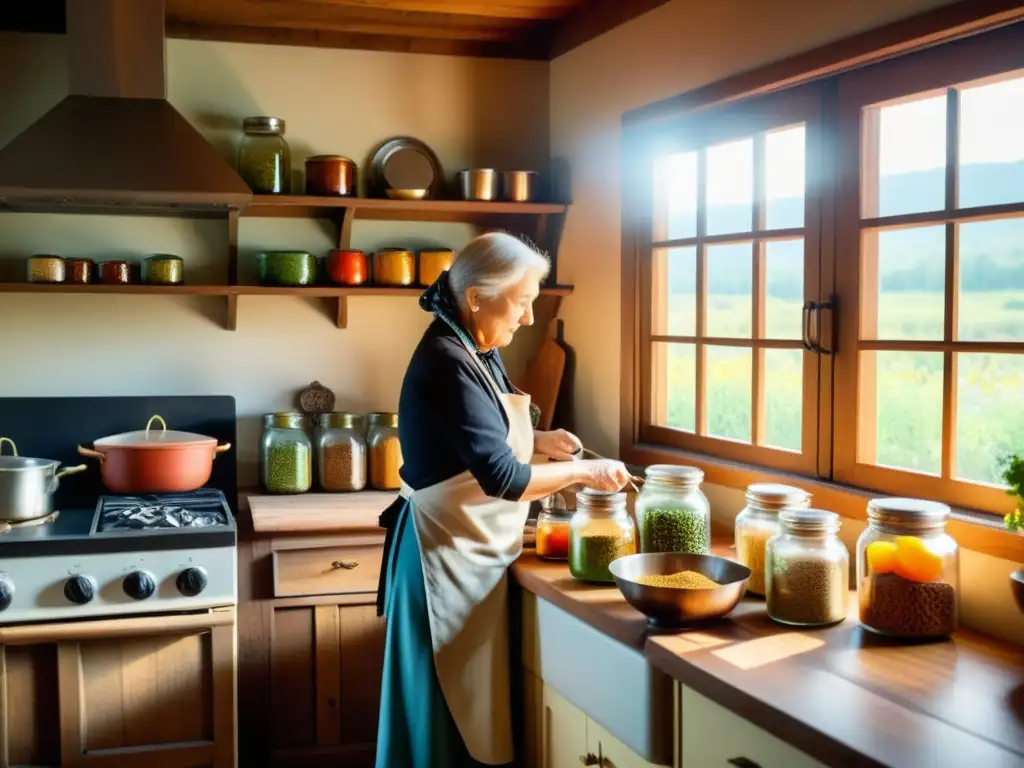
x,y
312,207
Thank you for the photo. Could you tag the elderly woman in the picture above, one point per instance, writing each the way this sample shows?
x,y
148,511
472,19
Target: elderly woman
x,y
467,441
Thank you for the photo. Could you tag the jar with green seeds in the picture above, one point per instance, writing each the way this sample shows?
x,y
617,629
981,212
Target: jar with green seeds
x,y
672,512
286,454
600,532
264,157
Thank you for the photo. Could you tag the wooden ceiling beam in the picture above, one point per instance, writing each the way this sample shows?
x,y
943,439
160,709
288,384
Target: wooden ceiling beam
x,y
593,19
507,9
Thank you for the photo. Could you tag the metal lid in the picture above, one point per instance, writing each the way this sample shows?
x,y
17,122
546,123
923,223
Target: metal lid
x,y
908,513
808,520
773,496
383,419
328,159
263,124
154,438
289,420
163,257
673,474
601,501
338,420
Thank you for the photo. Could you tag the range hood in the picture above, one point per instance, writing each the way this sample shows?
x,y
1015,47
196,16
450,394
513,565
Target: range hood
x,y
115,144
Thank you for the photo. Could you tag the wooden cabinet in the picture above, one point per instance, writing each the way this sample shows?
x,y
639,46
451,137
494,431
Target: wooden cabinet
x,y
155,691
710,735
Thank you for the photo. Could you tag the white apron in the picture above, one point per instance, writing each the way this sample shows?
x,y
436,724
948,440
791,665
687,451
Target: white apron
x,y
468,540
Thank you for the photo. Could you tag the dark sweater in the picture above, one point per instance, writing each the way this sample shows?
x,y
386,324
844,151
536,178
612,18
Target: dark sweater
x,y
450,420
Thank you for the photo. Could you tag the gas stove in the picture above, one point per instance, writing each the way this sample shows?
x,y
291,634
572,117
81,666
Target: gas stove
x,y
127,556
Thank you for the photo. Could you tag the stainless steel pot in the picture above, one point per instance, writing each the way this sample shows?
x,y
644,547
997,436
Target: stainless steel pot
x,y
519,186
479,184
27,485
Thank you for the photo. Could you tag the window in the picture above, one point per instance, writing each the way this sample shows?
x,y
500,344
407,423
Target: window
x,y
830,279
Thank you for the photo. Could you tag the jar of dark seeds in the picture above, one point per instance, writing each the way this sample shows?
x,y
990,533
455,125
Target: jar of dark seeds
x,y
807,573
600,532
340,453
286,454
672,512
264,157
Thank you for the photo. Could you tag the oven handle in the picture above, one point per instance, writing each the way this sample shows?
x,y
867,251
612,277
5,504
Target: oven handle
x,y
107,629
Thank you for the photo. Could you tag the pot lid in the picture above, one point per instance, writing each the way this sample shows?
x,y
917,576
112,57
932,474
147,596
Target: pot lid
x,y
151,437
16,463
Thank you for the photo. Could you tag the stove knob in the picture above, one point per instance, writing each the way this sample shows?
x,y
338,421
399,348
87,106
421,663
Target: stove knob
x,y
192,581
80,589
6,591
139,585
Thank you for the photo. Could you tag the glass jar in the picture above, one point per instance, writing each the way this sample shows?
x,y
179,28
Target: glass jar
x,y
600,531
264,157
552,537
286,454
340,453
908,570
394,266
759,521
385,451
807,574
672,512
433,263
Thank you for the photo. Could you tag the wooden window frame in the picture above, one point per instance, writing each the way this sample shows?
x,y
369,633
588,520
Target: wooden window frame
x,y
976,58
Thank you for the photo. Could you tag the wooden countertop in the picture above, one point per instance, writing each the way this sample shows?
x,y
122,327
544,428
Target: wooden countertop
x,y
842,694
306,514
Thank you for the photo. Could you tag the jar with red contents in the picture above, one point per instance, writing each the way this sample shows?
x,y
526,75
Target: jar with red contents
x,y
553,529
347,267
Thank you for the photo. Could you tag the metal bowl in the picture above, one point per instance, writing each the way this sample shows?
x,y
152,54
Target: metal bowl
x,y
671,606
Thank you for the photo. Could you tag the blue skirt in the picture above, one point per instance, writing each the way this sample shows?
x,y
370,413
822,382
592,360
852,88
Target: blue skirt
x,y
416,729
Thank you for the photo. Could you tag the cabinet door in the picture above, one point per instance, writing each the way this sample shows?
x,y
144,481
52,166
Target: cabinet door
x,y
29,706
611,752
713,737
326,662
564,733
533,719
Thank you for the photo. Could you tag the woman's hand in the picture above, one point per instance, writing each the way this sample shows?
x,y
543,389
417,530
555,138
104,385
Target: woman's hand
x,y
558,445
603,474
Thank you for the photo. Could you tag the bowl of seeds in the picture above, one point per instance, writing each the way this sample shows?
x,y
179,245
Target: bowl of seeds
x,y
673,589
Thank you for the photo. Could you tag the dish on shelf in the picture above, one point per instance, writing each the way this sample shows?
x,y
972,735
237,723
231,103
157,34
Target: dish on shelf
x,y
286,268
404,163
407,194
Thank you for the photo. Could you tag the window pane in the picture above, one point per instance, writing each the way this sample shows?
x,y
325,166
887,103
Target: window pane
x,y
674,309
911,158
992,143
784,288
784,397
730,187
729,298
908,409
675,196
989,419
784,178
675,385
728,392
911,283
991,281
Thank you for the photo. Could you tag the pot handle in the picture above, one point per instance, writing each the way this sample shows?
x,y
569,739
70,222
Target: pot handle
x,y
3,440
221,449
153,418
100,457
70,471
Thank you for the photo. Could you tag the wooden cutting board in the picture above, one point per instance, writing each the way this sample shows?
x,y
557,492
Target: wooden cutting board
x,y
542,378
319,512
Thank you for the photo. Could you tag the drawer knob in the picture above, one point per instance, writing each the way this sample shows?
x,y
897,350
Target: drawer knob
x,y
348,565
742,762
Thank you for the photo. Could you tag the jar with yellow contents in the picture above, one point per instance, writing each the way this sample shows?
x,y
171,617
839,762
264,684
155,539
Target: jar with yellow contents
x,y
394,266
433,262
384,451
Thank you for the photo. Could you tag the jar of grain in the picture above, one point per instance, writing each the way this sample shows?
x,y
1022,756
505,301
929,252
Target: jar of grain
x,y
807,574
286,454
264,157
552,537
600,532
385,451
759,521
340,453
672,512
908,570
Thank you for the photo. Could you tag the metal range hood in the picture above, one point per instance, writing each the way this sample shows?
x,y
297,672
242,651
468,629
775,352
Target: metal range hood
x,y
115,144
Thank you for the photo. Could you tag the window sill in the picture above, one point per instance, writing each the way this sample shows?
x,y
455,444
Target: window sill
x,y
977,531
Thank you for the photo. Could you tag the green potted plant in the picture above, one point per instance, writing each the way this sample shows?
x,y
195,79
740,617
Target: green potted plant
x,y
1013,476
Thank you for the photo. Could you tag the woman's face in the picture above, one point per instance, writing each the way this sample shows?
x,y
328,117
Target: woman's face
x,y
496,320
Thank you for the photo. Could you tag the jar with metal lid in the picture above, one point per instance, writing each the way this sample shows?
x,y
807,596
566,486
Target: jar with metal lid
x,y
759,521
286,454
340,453
908,570
672,512
385,451
394,266
600,532
552,537
264,157
807,578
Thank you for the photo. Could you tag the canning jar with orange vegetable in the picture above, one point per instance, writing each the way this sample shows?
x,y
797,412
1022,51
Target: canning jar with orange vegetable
x,y
908,570
394,266
553,529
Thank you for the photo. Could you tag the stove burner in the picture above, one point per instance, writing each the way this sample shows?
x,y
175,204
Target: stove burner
x,y
6,526
199,509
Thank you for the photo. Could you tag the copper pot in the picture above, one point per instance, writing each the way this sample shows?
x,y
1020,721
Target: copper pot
x,y
147,461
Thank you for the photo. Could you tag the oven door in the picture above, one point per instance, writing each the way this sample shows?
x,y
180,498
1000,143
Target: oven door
x,y
153,690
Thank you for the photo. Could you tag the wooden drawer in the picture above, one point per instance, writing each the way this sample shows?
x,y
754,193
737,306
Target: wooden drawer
x,y
334,570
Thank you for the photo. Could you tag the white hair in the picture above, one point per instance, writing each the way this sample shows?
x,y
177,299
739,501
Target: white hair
x,y
492,263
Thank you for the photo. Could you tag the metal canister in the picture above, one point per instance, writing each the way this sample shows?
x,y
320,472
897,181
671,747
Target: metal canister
x,y
330,175
433,262
79,271
116,272
46,269
163,269
519,186
479,184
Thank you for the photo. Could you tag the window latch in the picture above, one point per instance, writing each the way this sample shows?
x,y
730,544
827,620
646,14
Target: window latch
x,y
812,316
